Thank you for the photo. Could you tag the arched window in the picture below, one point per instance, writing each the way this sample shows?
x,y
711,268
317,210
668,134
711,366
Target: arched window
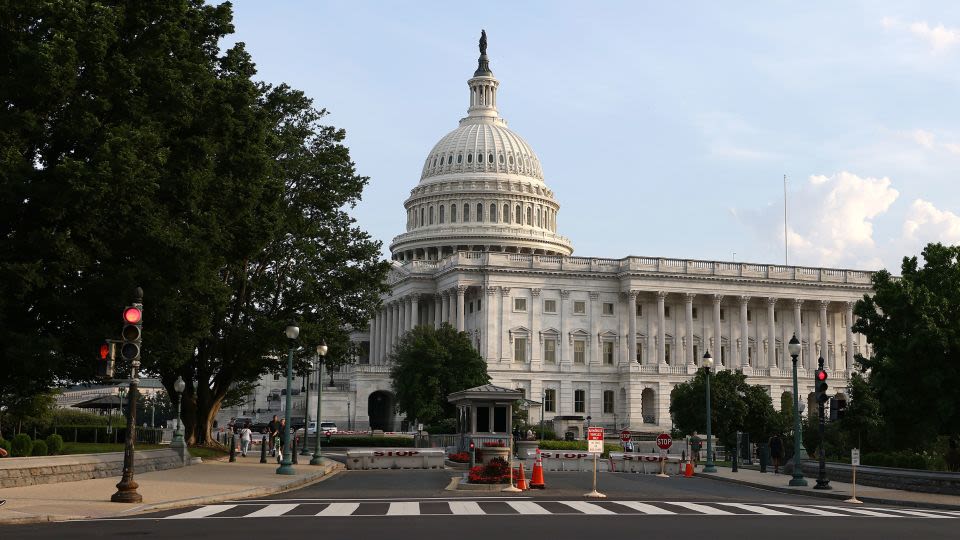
x,y
538,215
469,158
431,215
434,162
441,213
506,214
500,159
466,212
421,216
449,159
490,158
511,160
479,212
493,211
459,158
479,157
518,215
529,216
453,213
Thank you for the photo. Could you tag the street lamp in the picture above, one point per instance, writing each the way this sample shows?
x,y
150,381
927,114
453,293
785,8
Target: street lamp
x,y
305,451
286,466
793,347
178,387
321,353
709,467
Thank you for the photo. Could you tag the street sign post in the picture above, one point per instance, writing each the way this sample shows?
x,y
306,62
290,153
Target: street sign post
x,y
625,435
664,441
854,463
595,446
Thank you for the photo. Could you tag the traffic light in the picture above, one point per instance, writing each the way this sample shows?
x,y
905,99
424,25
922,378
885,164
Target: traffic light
x,y
107,356
821,387
132,331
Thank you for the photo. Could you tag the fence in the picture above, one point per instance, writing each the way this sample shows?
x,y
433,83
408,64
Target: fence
x,y
105,434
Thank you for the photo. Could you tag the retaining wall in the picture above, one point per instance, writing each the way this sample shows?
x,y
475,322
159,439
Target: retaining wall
x,y
889,477
28,471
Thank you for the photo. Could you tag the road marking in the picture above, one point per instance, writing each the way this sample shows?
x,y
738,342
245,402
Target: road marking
x,y
860,511
272,510
918,513
466,508
703,509
339,509
527,507
203,511
646,508
757,509
811,510
404,509
587,508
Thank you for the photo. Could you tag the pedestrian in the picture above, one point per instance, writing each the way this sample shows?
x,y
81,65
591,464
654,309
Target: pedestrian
x,y
529,434
696,444
776,452
245,436
272,430
282,433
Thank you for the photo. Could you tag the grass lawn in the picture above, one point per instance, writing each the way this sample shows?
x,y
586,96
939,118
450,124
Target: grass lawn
x,y
207,453
100,448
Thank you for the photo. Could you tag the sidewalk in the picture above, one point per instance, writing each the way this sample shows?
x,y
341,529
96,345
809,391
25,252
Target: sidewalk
x,y
204,483
840,490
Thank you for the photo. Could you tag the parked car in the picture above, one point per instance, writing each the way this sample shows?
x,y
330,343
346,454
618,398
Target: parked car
x,y
325,427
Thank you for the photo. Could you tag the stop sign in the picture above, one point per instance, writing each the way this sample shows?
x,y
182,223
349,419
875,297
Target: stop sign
x,y
664,440
625,435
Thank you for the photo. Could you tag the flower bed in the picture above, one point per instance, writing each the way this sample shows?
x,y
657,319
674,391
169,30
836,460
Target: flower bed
x,y
495,472
494,444
460,457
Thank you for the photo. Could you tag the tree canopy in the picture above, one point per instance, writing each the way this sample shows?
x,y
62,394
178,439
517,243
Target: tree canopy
x,y
430,364
134,152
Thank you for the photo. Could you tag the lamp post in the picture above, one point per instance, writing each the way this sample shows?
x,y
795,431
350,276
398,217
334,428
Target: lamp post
x,y
286,467
709,467
822,481
543,405
798,480
178,387
305,451
321,353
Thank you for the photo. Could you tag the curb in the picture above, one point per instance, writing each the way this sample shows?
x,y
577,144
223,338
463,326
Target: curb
x,y
328,470
829,495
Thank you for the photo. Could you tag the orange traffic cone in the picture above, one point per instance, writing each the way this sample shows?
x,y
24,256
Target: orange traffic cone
x,y
536,482
688,472
521,479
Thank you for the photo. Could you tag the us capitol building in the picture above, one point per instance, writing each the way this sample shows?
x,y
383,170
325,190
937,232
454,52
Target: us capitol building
x,y
605,338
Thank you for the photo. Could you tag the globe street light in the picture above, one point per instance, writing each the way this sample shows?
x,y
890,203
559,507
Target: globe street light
x,y
793,347
321,353
178,387
709,467
286,466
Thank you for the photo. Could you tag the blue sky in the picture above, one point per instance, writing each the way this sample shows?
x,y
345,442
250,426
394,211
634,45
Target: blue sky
x,y
664,128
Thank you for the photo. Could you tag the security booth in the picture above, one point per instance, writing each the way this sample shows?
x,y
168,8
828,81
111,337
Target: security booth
x,y
485,418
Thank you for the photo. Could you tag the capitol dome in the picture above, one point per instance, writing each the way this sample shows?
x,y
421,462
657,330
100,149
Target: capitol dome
x,y
481,188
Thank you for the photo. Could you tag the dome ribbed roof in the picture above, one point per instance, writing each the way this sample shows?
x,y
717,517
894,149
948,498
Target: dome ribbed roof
x,y
480,146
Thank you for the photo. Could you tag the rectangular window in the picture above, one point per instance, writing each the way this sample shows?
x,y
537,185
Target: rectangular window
x,y
696,355
695,313
640,353
579,401
723,314
749,356
749,315
579,307
478,305
666,312
550,351
776,316
550,400
579,351
520,349
723,356
549,306
607,308
608,401
276,376
639,310
666,353
470,308
608,353
519,304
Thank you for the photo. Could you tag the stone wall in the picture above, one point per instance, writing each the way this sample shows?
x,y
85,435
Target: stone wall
x,y
889,477
28,471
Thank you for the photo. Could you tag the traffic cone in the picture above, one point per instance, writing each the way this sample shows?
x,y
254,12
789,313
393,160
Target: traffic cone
x,y
536,482
522,480
688,472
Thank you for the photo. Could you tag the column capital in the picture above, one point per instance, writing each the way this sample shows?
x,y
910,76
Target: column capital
x,y
437,296
688,297
772,301
661,295
824,304
491,291
461,290
744,300
504,291
797,303
849,305
415,299
564,293
717,298
536,292
633,294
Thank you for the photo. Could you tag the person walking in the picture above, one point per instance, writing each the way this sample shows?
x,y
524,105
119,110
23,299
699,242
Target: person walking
x,y
245,436
272,430
776,452
281,433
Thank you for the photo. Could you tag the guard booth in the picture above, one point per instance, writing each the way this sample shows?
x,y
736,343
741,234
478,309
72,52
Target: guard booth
x,y
485,417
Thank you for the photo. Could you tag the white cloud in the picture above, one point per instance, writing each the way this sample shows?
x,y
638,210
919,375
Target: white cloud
x,y
928,140
926,223
923,138
953,148
939,37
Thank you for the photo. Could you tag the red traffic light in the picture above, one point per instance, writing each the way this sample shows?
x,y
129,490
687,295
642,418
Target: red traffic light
x,y
104,351
132,315
821,375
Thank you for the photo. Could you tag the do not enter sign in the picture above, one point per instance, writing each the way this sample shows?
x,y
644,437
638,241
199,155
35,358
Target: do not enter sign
x,y
664,441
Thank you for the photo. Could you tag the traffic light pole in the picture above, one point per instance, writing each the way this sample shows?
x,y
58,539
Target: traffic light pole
x,y
822,481
127,488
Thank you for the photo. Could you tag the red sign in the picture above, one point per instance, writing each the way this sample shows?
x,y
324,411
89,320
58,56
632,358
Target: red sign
x,y
664,440
595,434
625,435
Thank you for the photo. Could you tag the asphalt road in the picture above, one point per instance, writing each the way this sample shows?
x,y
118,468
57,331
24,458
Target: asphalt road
x,y
409,504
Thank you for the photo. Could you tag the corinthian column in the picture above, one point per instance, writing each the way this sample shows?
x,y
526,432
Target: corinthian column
x,y
414,311
717,334
798,330
437,310
461,292
688,304
849,352
632,314
824,344
661,323
771,332
744,332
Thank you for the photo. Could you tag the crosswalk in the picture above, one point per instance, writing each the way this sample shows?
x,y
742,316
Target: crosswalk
x,y
384,508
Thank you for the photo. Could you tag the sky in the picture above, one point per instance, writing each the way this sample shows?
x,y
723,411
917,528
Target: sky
x,y
664,129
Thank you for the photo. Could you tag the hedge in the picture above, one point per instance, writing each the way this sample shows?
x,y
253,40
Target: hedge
x,y
577,445
22,446
406,442
54,444
39,448
900,460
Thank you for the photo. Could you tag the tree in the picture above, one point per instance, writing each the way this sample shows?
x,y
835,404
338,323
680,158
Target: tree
x,y
913,325
430,364
133,152
734,406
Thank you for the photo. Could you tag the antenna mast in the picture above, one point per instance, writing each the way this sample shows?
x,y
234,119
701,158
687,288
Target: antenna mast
x,y
786,258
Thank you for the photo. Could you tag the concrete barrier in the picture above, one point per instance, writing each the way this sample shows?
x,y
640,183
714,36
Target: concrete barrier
x,y
395,458
28,471
644,463
564,460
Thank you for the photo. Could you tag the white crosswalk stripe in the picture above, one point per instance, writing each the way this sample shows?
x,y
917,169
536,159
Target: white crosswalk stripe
x,y
541,508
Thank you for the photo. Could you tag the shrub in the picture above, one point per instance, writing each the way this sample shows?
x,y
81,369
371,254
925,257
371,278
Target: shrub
x,y
54,444
22,446
403,442
5,444
900,460
39,448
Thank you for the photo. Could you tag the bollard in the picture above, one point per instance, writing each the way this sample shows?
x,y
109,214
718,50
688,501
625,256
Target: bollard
x,y
293,451
263,450
233,449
